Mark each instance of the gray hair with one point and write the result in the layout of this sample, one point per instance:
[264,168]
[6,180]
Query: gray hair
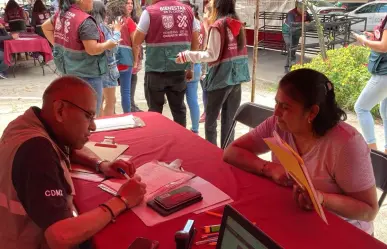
[99,12]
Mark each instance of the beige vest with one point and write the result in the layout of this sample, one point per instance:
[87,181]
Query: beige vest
[17,230]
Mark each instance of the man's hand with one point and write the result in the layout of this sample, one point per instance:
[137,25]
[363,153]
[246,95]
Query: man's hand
[110,168]
[133,191]
[188,75]
[302,198]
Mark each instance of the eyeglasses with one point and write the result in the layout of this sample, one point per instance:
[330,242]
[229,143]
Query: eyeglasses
[89,115]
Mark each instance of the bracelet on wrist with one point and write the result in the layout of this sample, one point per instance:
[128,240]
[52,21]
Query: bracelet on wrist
[106,207]
[98,165]
[124,200]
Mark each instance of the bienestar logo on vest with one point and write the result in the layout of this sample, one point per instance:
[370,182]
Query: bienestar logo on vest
[172,9]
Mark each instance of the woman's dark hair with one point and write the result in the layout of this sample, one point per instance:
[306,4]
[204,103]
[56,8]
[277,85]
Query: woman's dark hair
[309,88]
[226,8]
[39,7]
[98,12]
[134,15]
[116,8]
[12,4]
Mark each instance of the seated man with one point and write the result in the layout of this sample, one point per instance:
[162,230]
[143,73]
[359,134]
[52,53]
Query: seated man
[292,36]
[335,154]
[36,149]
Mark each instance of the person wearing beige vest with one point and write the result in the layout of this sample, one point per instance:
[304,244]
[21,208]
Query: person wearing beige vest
[36,149]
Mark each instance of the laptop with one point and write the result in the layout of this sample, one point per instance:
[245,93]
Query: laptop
[236,232]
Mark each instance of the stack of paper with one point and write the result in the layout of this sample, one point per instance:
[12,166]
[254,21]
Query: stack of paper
[83,173]
[160,179]
[294,166]
[118,123]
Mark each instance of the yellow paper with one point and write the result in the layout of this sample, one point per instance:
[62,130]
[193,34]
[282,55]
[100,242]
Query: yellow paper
[294,166]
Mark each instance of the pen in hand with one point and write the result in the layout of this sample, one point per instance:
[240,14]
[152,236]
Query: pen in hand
[121,171]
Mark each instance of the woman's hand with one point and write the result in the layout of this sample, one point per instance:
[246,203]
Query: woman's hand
[302,198]
[117,26]
[278,174]
[361,39]
[370,35]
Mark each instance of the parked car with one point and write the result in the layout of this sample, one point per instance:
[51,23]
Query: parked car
[373,11]
[324,8]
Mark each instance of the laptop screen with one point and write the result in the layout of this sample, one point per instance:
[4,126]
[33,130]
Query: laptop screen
[237,232]
[236,237]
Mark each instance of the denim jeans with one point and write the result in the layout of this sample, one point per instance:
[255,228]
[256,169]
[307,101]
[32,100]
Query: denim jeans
[373,93]
[192,98]
[3,66]
[125,84]
[192,101]
[289,44]
[96,83]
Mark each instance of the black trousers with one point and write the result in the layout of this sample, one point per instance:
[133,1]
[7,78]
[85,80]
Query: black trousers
[172,84]
[228,100]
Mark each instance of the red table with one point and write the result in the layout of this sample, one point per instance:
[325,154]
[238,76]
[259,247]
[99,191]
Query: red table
[27,43]
[260,200]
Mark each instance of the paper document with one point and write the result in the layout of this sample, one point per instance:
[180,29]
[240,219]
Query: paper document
[157,178]
[118,123]
[107,153]
[211,196]
[296,169]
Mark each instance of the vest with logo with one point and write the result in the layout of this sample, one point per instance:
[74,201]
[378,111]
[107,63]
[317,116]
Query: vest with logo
[232,66]
[170,32]
[125,53]
[15,14]
[40,17]
[69,53]
[17,230]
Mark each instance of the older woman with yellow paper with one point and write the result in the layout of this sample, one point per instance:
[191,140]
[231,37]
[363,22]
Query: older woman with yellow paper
[334,153]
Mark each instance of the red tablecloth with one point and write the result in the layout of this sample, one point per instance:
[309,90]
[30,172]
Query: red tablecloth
[27,43]
[260,200]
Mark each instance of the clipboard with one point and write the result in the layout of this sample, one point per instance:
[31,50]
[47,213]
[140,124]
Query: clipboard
[108,149]
[295,168]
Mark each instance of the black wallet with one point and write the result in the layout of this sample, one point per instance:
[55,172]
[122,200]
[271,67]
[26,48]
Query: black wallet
[175,200]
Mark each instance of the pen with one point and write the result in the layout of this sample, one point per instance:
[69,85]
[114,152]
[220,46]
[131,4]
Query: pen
[214,214]
[121,171]
[206,241]
[210,235]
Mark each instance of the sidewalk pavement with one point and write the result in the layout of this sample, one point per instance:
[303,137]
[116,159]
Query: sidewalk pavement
[18,94]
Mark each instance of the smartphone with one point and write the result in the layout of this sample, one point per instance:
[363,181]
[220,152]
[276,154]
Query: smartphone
[143,243]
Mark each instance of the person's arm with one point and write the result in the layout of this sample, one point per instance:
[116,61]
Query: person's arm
[40,186]
[135,48]
[4,35]
[377,46]
[89,35]
[142,29]
[353,173]
[48,30]
[89,159]
[211,54]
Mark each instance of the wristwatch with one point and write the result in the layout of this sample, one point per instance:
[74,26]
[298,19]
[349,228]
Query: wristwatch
[98,164]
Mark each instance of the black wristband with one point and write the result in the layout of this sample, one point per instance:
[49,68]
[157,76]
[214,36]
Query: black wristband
[110,211]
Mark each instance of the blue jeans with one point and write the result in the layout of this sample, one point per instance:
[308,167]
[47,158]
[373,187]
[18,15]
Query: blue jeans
[192,101]
[373,93]
[96,83]
[3,66]
[125,84]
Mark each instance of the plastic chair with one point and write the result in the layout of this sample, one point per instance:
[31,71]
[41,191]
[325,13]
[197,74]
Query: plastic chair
[379,163]
[249,114]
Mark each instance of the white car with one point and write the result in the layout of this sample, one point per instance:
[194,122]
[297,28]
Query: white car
[325,8]
[373,11]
